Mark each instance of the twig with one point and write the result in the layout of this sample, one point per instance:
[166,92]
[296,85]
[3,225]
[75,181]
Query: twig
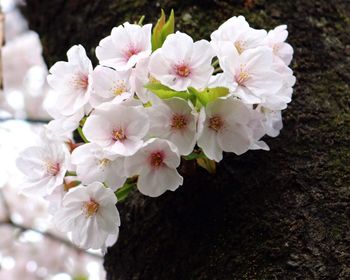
[25,120]
[49,235]
[9,222]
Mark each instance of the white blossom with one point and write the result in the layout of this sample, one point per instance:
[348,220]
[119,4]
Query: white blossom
[237,32]
[181,63]
[127,44]
[140,77]
[251,74]
[44,167]
[71,81]
[282,51]
[95,164]
[155,164]
[118,128]
[89,212]
[110,85]
[175,120]
[223,126]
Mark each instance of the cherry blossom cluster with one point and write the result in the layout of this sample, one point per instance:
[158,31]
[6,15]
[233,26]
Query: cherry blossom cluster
[156,99]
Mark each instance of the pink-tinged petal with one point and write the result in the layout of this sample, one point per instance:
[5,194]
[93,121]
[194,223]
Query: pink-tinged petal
[209,144]
[134,164]
[235,139]
[98,129]
[178,47]
[202,54]
[76,196]
[108,218]
[36,188]
[246,95]
[159,65]
[285,53]
[156,182]
[257,60]
[106,50]
[267,83]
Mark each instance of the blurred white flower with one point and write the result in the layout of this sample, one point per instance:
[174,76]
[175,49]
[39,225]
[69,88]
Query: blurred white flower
[71,81]
[44,167]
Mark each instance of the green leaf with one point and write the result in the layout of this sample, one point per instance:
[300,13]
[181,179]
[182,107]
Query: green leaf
[207,164]
[70,173]
[81,134]
[169,26]
[194,155]
[124,191]
[157,32]
[209,94]
[81,277]
[164,92]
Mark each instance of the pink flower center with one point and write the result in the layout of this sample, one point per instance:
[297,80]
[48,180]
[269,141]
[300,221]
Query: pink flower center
[216,123]
[52,168]
[118,134]
[182,70]
[242,77]
[156,159]
[130,52]
[81,82]
[91,207]
[178,121]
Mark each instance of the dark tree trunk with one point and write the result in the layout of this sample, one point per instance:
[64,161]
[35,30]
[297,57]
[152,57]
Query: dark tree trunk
[282,214]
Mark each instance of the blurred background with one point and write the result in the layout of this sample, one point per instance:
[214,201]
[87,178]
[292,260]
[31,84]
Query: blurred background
[29,247]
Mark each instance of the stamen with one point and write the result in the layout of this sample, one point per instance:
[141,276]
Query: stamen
[80,81]
[178,121]
[52,168]
[242,76]
[182,70]
[120,88]
[104,162]
[216,123]
[239,46]
[156,159]
[118,135]
[91,207]
[130,52]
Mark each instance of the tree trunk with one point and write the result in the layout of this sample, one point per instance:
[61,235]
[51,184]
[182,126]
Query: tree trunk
[282,214]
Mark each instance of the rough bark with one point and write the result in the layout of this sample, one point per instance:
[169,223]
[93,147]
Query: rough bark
[282,214]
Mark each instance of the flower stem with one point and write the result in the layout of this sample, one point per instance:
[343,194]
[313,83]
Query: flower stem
[124,191]
[215,63]
[81,134]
